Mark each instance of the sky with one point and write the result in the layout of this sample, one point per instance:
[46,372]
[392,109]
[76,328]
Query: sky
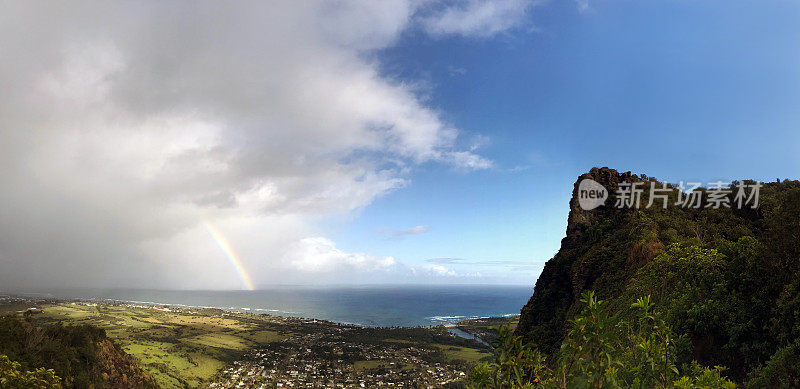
[242,145]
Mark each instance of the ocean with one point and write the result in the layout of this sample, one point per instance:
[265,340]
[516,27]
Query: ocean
[374,306]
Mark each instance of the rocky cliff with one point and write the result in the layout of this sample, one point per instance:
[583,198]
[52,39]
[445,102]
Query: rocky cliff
[727,278]
[543,319]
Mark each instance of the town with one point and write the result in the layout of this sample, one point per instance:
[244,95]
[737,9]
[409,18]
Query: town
[341,357]
[327,359]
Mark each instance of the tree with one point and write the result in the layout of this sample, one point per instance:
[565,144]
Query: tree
[12,377]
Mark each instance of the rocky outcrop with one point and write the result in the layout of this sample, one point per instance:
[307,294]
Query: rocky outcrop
[580,220]
[543,319]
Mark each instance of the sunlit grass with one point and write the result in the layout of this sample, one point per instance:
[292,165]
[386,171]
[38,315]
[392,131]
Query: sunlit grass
[176,349]
[367,365]
[466,354]
[218,340]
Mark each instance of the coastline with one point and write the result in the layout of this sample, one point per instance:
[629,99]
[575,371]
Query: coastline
[356,306]
[188,346]
[464,327]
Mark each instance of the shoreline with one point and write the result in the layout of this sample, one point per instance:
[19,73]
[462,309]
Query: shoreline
[447,321]
[459,328]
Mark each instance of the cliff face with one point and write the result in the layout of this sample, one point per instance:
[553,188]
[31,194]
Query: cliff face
[543,319]
[727,278]
[118,369]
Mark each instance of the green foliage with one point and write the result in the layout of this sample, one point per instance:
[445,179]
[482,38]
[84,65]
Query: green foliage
[689,285]
[80,355]
[12,377]
[727,279]
[714,296]
[704,378]
[601,350]
[515,364]
[652,359]
[781,371]
[69,350]
[589,355]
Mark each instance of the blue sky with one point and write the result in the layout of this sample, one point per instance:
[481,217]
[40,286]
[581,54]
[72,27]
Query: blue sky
[238,145]
[679,90]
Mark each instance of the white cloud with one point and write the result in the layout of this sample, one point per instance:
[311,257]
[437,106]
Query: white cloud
[467,160]
[415,230]
[478,18]
[125,126]
[321,255]
[398,234]
[440,270]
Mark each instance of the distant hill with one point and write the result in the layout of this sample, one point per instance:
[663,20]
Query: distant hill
[80,355]
[728,278]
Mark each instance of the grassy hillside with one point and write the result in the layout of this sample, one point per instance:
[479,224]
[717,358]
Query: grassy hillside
[727,279]
[178,349]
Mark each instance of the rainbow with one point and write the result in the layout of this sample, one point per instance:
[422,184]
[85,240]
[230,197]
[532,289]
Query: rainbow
[232,257]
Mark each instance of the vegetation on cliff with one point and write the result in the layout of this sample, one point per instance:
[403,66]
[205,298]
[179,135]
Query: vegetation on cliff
[633,348]
[726,279]
[12,377]
[35,355]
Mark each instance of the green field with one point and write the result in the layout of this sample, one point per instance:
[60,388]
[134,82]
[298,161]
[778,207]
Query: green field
[177,348]
[367,365]
[466,354]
